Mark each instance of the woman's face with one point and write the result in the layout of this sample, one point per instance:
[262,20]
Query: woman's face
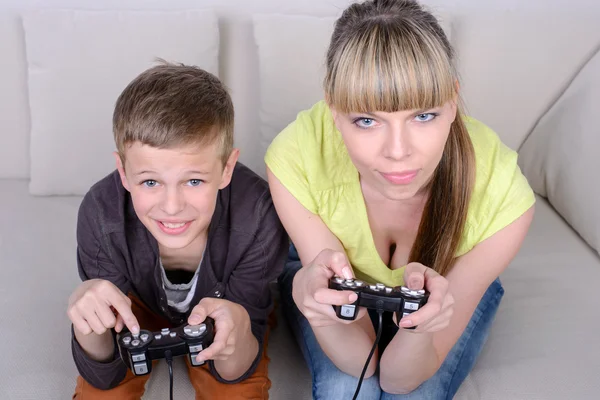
[396,153]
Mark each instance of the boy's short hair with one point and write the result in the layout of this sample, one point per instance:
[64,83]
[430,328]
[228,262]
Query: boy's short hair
[171,105]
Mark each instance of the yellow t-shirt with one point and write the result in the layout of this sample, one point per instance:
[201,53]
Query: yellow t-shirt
[310,159]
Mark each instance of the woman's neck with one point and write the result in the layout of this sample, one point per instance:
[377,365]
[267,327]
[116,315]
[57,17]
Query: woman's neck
[410,206]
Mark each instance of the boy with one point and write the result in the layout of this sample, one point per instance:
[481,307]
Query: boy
[180,231]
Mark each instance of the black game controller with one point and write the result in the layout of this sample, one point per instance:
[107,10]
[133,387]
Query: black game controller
[138,351]
[400,299]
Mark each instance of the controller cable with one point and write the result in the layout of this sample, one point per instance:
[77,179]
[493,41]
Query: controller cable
[169,358]
[379,329]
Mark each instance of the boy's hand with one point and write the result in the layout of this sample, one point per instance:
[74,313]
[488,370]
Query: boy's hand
[91,308]
[232,323]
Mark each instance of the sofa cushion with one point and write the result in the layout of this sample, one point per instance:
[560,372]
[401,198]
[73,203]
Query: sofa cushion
[560,157]
[78,64]
[14,110]
[540,344]
[291,56]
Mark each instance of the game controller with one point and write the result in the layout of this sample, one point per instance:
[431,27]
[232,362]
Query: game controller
[400,299]
[138,351]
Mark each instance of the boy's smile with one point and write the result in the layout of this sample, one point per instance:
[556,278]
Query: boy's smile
[173,228]
[174,191]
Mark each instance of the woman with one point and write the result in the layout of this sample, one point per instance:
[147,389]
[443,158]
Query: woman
[387,181]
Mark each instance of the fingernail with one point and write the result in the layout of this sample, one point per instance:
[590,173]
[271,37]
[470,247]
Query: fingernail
[347,273]
[353,297]
[135,329]
[199,359]
[194,319]
[406,323]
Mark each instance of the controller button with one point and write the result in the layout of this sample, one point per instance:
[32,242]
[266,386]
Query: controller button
[372,287]
[196,348]
[164,331]
[172,334]
[338,280]
[359,283]
[135,342]
[388,290]
[380,286]
[347,311]
[135,335]
[411,306]
[193,359]
[194,330]
[126,340]
[138,357]
[405,289]
[144,337]
[140,368]
[421,292]
[157,337]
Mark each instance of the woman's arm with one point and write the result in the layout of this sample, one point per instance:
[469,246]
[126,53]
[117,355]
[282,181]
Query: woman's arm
[473,273]
[321,255]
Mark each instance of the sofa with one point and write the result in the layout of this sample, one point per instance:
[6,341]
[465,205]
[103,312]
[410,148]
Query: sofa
[529,70]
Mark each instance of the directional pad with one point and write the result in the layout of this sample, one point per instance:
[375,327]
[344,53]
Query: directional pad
[194,330]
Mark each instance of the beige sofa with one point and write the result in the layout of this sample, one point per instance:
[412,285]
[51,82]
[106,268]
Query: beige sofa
[531,72]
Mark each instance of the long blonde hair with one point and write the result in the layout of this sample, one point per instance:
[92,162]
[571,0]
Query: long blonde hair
[391,55]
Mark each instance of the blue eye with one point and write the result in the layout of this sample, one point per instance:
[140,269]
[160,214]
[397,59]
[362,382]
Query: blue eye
[364,122]
[425,117]
[195,182]
[150,183]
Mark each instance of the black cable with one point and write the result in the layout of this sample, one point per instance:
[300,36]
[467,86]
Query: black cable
[379,330]
[169,358]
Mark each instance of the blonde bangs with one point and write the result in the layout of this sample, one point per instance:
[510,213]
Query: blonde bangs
[389,69]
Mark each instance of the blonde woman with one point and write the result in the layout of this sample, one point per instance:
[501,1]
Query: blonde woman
[386,180]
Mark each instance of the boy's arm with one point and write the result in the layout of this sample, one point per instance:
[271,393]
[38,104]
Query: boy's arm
[93,262]
[248,285]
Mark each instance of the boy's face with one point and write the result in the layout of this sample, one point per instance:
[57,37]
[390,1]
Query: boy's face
[174,191]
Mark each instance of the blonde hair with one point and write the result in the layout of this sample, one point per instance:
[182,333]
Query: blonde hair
[392,55]
[171,105]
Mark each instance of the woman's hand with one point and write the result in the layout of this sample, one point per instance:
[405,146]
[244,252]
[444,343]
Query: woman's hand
[311,291]
[436,314]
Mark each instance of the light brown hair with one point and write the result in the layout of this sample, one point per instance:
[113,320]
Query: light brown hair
[172,105]
[392,55]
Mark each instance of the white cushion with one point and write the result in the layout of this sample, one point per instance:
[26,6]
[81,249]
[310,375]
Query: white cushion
[291,54]
[14,110]
[78,64]
[560,157]
[539,344]
[514,65]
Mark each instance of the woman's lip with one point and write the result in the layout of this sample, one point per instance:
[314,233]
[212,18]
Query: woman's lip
[400,178]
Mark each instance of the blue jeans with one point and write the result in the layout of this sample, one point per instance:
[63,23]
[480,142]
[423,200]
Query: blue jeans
[331,383]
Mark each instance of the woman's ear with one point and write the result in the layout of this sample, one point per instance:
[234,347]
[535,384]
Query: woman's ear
[121,169]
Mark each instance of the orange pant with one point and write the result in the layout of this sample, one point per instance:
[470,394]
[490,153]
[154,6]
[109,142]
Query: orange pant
[206,386]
